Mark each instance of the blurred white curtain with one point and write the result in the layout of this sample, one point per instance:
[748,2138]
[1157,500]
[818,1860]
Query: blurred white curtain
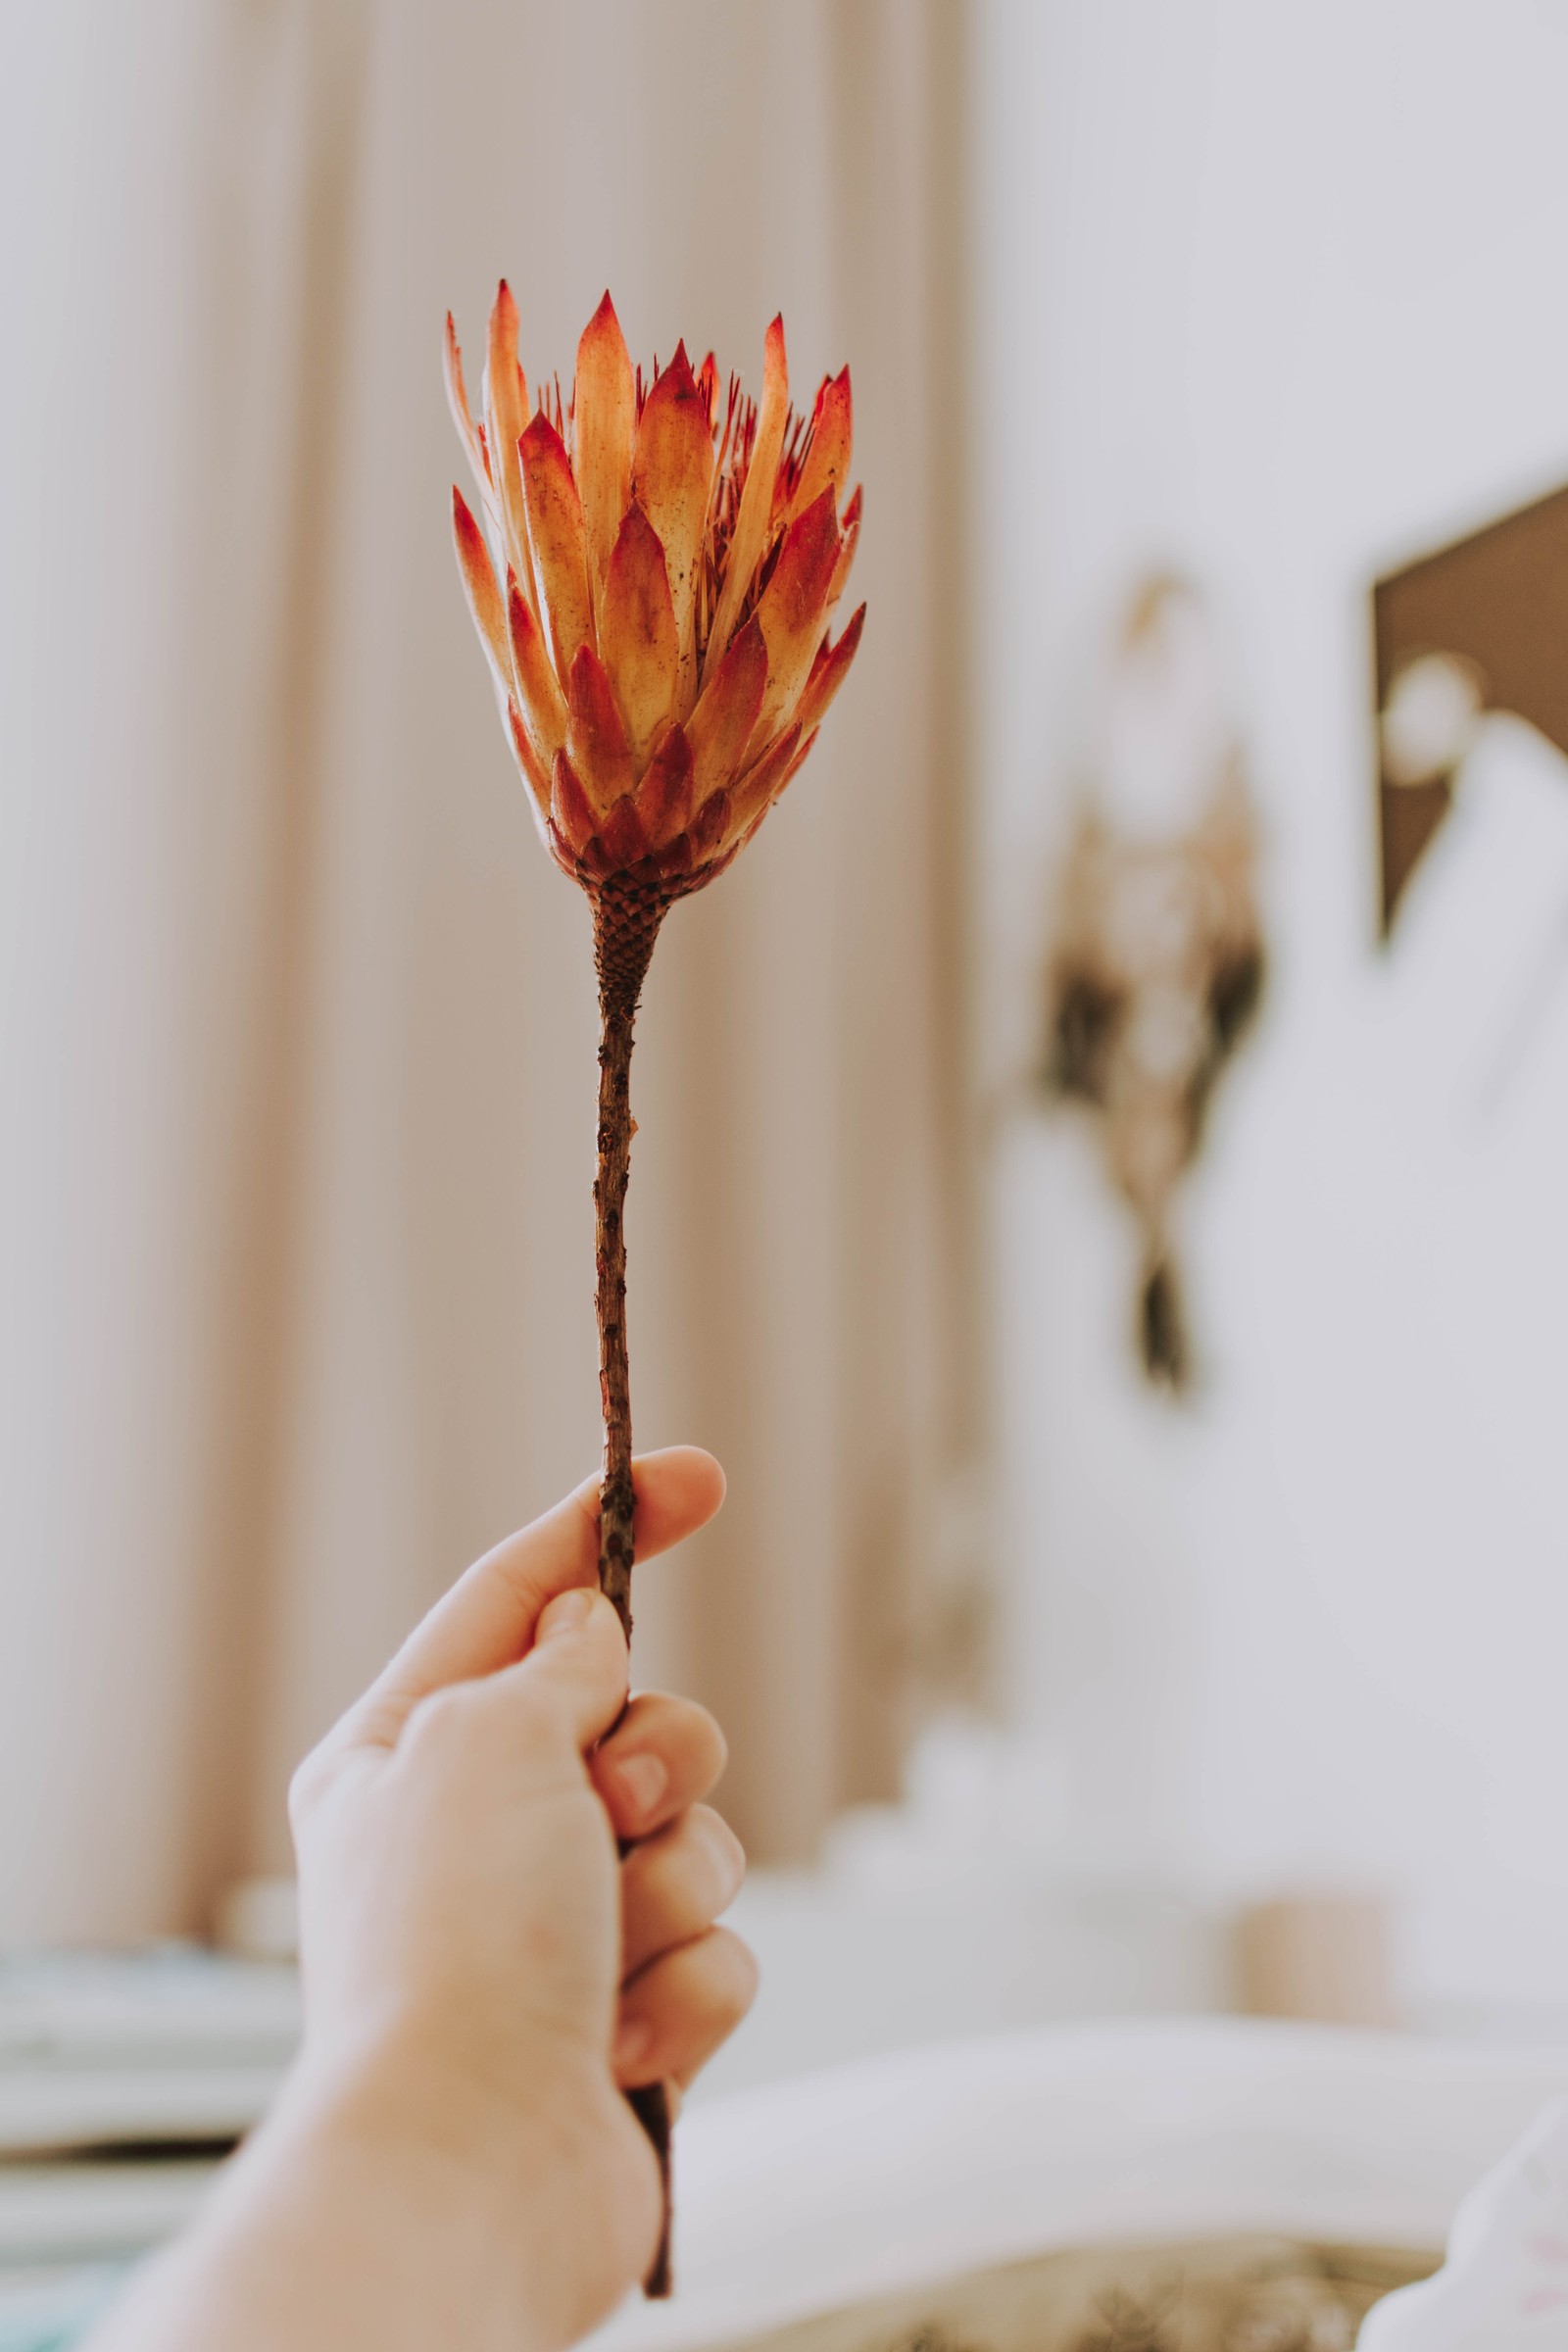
[296,1022]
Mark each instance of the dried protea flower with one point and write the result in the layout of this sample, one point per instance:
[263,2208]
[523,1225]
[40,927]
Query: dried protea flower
[670,561]
[652,582]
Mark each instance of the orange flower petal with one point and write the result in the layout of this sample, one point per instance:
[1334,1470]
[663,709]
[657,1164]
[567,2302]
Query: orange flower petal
[463,416]
[479,586]
[637,631]
[665,795]
[707,386]
[672,477]
[744,830]
[829,671]
[790,612]
[605,422]
[543,705]
[595,735]
[827,455]
[535,770]
[763,781]
[570,810]
[721,727]
[757,497]
[711,826]
[621,836]
[559,541]
[848,543]
[506,411]
[797,762]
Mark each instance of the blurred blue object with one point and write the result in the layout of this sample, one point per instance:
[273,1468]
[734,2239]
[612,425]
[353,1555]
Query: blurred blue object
[49,2317]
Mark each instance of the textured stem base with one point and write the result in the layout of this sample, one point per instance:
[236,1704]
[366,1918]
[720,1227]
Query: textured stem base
[627,921]
[651,2106]
[626,927]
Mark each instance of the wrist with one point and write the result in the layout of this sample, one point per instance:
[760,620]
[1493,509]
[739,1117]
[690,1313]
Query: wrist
[519,2189]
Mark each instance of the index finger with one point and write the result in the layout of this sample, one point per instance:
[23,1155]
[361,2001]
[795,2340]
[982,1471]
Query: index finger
[487,1620]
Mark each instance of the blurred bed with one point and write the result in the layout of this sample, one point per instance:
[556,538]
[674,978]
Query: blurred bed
[1217,2182]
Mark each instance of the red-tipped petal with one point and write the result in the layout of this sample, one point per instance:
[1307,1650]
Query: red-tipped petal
[711,826]
[745,825]
[482,590]
[827,455]
[797,764]
[665,795]
[829,671]
[848,544]
[595,736]
[757,496]
[462,413]
[672,477]
[790,612]
[637,638]
[605,422]
[558,540]
[506,411]
[569,809]
[721,727]
[535,770]
[763,781]
[676,858]
[543,705]
[707,386]
[621,837]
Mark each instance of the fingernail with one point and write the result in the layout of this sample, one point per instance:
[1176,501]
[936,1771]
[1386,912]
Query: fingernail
[642,1781]
[634,2038]
[567,1614]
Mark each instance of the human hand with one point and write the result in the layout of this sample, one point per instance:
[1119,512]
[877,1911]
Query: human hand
[482,1972]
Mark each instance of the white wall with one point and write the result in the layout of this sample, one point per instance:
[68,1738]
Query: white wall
[1277,294]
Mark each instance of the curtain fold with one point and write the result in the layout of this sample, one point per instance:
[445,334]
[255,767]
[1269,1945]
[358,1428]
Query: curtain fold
[298,1022]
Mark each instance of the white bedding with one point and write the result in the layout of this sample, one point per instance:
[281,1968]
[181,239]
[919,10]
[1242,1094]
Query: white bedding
[831,2189]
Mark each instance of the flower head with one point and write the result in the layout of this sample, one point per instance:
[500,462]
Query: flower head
[670,559]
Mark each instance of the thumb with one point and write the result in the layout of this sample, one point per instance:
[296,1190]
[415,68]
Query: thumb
[573,1685]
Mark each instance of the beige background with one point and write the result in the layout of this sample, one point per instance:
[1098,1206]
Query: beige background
[297,1021]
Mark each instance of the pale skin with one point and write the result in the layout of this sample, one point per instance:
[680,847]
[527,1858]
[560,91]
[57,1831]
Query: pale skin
[451,2161]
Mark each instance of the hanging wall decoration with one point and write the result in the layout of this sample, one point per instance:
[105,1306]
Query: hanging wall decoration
[1479,625]
[1154,962]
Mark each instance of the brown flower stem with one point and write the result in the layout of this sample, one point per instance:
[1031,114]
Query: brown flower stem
[627,921]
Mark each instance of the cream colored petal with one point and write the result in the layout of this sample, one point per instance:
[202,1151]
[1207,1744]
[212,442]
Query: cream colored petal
[756,498]
[463,416]
[506,412]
